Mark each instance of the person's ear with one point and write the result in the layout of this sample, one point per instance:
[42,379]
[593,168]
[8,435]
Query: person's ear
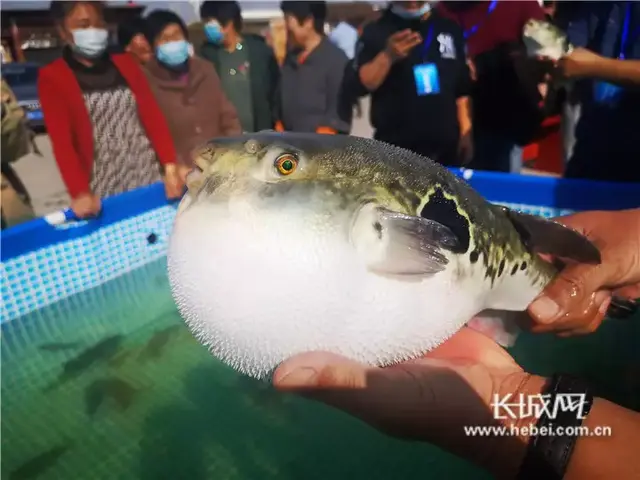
[64,35]
[307,24]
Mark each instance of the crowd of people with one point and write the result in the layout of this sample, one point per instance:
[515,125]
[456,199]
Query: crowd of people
[450,80]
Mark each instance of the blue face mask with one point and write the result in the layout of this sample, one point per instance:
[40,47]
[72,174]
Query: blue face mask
[213,33]
[410,14]
[90,42]
[173,54]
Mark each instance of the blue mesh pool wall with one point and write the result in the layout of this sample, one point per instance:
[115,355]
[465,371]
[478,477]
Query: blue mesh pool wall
[43,263]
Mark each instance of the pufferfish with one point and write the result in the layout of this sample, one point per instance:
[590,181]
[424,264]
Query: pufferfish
[542,39]
[291,242]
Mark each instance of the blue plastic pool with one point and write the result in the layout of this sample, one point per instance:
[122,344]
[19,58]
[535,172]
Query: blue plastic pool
[101,380]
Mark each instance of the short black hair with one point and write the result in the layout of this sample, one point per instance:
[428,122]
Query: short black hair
[223,11]
[304,10]
[59,9]
[129,29]
[158,20]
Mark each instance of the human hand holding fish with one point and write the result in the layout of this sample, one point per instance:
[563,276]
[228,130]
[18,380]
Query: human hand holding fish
[437,398]
[430,399]
[577,300]
[579,63]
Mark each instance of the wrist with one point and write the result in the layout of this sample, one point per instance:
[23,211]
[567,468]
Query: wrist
[510,449]
[388,54]
[170,168]
[80,195]
[592,68]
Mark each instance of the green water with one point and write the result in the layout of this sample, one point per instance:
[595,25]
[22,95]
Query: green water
[183,415]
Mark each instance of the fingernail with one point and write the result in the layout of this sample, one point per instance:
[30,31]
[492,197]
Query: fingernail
[299,377]
[544,309]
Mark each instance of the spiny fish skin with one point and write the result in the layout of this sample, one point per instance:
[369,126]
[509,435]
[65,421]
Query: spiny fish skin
[295,242]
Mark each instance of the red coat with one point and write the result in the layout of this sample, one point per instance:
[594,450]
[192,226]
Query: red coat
[69,125]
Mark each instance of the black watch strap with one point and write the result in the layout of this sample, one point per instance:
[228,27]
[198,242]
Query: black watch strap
[568,401]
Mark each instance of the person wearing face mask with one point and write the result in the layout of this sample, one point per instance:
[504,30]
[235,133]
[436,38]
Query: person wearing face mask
[412,61]
[187,88]
[247,67]
[106,129]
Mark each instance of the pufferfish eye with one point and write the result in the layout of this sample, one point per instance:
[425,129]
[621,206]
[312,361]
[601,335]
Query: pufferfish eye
[286,163]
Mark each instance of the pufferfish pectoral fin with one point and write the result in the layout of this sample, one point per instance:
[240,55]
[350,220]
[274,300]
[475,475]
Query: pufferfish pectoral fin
[399,244]
[550,237]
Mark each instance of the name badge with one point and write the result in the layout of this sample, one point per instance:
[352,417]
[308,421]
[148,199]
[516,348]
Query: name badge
[427,79]
[607,93]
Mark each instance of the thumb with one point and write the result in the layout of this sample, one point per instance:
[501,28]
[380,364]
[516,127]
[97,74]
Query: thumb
[320,370]
[569,291]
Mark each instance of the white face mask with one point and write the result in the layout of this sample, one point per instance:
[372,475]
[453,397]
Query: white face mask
[411,14]
[90,42]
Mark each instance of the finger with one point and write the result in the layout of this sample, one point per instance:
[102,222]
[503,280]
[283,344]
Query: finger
[415,40]
[570,290]
[631,291]
[581,317]
[595,322]
[406,48]
[401,35]
[577,222]
[320,370]
[474,347]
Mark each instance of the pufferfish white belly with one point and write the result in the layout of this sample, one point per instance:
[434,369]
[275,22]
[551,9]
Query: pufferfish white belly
[289,280]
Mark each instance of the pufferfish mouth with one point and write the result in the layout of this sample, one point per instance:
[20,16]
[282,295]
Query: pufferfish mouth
[195,175]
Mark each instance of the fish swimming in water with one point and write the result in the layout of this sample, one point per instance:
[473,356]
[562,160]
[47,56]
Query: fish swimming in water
[294,242]
[39,464]
[102,389]
[157,343]
[104,350]
[542,39]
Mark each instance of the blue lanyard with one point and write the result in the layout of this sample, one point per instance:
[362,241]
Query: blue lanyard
[427,43]
[474,29]
[625,32]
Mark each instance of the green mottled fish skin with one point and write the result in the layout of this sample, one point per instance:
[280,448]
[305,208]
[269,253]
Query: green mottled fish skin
[357,170]
[547,36]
